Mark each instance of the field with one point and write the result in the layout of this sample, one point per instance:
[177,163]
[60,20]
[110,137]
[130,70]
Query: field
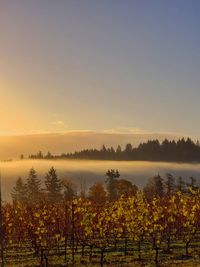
[24,256]
[129,231]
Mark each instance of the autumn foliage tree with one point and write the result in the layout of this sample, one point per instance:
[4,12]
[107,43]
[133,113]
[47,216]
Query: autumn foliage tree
[97,194]
[126,188]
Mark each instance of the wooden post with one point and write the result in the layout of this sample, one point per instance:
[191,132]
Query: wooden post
[102,257]
[66,229]
[1,227]
[73,234]
[125,246]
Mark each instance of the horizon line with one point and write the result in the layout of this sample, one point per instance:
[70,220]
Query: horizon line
[126,131]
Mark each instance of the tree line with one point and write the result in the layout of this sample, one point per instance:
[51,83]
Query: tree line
[182,150]
[55,190]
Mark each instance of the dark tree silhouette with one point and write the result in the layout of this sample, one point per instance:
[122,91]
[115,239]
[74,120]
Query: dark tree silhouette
[118,152]
[192,184]
[154,187]
[170,183]
[33,186]
[69,190]
[159,187]
[19,191]
[181,185]
[183,150]
[111,183]
[53,186]
[48,155]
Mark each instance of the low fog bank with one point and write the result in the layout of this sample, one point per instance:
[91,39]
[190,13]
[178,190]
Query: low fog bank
[85,173]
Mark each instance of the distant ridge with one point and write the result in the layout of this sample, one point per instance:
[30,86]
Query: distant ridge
[182,150]
[11,147]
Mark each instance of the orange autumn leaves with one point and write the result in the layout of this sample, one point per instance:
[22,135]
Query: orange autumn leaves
[176,216]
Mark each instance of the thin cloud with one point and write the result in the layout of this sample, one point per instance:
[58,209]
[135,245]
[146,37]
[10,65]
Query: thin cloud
[139,131]
[58,123]
[131,130]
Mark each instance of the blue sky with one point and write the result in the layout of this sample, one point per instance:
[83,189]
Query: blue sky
[98,65]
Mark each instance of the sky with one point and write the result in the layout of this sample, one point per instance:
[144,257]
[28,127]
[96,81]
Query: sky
[99,65]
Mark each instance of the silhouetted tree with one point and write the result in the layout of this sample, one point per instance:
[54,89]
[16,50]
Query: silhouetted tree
[33,187]
[48,155]
[69,190]
[193,183]
[103,149]
[112,153]
[19,192]
[170,183]
[118,152]
[128,148]
[154,187]
[183,150]
[40,155]
[159,187]
[181,184]
[111,184]
[82,192]
[128,152]
[53,185]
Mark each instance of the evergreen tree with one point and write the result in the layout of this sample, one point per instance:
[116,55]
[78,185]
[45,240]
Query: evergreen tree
[103,149]
[180,184]
[128,148]
[193,183]
[53,185]
[118,152]
[128,151]
[49,155]
[159,186]
[111,182]
[182,150]
[33,187]
[170,183]
[69,191]
[82,192]
[39,155]
[19,192]
[154,188]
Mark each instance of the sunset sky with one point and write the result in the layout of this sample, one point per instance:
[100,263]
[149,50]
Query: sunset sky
[99,65]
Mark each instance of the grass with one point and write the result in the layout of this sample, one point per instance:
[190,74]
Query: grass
[24,257]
